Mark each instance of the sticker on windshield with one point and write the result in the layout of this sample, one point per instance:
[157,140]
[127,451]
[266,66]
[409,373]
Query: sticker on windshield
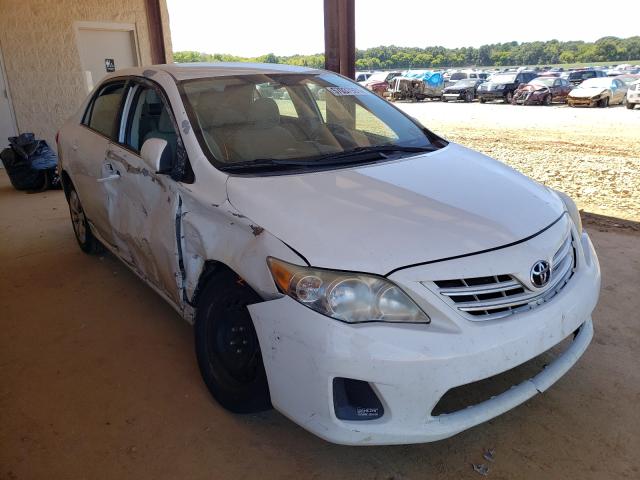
[345,91]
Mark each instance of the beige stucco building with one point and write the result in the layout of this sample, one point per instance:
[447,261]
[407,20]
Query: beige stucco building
[54,51]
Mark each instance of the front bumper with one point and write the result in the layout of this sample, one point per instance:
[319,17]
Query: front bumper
[492,94]
[581,102]
[453,95]
[633,96]
[410,367]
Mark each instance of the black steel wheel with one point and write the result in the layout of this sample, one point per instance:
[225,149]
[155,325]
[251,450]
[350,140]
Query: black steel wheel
[227,346]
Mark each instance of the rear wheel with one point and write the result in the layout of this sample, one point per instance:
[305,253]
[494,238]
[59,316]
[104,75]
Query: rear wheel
[227,346]
[87,242]
[482,100]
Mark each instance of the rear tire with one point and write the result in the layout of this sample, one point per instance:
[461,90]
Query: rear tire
[482,100]
[227,346]
[87,242]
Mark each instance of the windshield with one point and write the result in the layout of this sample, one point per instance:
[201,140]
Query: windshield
[596,83]
[545,81]
[285,117]
[466,83]
[503,78]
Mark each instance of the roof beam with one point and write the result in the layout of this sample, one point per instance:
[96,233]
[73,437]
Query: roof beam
[340,37]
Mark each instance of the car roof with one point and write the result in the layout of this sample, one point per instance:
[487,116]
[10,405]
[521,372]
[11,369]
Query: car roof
[187,71]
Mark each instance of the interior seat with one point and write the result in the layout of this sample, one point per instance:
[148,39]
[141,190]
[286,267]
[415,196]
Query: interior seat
[263,135]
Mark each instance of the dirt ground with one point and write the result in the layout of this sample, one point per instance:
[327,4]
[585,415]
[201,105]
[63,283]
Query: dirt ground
[98,378]
[592,154]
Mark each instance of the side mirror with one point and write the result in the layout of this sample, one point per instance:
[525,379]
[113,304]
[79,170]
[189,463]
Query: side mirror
[156,154]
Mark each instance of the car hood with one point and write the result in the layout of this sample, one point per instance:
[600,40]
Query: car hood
[380,217]
[586,92]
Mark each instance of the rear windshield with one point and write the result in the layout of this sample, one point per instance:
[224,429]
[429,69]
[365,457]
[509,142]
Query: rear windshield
[581,75]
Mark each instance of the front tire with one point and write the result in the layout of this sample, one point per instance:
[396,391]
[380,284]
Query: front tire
[548,100]
[508,97]
[604,103]
[87,242]
[631,106]
[227,346]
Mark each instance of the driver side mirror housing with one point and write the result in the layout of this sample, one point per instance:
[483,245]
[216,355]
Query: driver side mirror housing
[157,155]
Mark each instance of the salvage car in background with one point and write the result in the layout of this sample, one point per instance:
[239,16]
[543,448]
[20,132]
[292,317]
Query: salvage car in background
[633,95]
[462,90]
[542,91]
[416,86]
[379,82]
[576,77]
[501,86]
[600,92]
[339,260]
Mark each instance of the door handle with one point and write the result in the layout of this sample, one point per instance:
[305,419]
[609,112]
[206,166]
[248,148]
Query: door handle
[108,178]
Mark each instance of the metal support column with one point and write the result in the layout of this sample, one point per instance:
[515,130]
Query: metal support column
[340,37]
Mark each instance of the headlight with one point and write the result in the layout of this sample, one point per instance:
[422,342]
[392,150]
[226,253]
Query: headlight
[348,297]
[572,209]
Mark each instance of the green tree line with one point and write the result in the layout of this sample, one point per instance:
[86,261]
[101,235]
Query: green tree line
[606,49]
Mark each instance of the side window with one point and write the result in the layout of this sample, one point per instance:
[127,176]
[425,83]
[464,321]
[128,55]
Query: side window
[149,117]
[103,111]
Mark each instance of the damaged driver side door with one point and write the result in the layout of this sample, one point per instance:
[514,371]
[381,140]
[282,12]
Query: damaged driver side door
[144,204]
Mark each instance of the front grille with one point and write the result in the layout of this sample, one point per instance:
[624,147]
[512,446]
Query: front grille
[496,296]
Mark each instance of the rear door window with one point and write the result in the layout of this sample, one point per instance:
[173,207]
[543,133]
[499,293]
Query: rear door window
[103,111]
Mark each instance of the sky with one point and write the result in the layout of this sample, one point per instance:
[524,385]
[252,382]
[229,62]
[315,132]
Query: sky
[285,27]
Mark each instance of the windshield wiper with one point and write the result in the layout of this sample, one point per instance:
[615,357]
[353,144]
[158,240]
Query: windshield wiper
[358,154]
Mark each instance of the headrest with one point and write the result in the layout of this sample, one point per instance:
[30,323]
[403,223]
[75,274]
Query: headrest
[164,122]
[264,113]
[215,110]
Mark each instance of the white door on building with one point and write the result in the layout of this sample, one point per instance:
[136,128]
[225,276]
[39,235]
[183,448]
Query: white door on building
[7,123]
[104,49]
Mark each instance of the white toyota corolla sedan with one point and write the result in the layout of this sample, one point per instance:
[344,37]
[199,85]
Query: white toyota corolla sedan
[339,260]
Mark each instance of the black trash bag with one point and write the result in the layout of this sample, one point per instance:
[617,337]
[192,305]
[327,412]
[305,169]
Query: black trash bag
[30,164]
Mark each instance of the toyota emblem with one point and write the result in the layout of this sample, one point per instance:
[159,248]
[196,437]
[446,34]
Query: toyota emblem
[540,273]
